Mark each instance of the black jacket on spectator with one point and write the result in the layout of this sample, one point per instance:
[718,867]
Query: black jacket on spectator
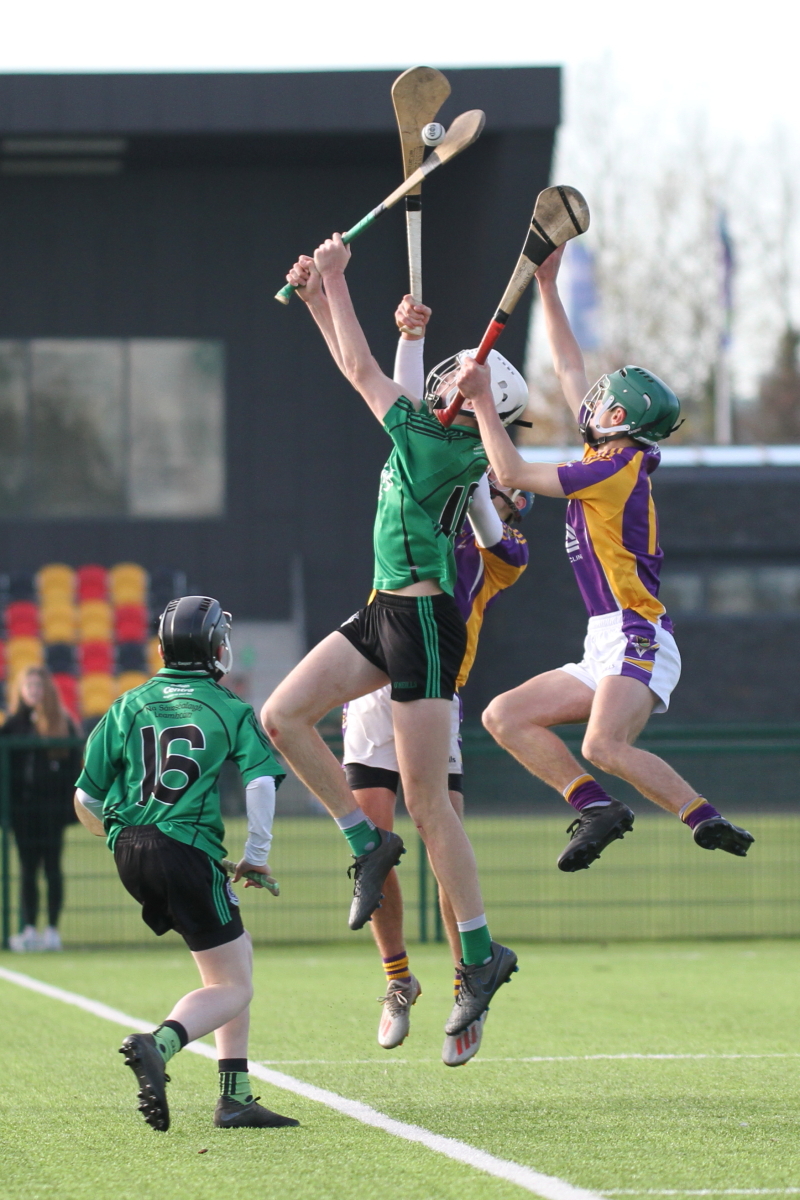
[42,780]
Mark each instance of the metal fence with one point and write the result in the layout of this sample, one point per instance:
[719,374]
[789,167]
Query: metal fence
[654,884]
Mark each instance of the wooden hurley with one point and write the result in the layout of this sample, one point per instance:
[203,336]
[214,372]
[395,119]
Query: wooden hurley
[465,130]
[417,95]
[560,213]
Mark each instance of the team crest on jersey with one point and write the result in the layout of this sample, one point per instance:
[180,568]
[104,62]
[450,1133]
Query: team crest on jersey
[641,645]
[234,899]
[573,545]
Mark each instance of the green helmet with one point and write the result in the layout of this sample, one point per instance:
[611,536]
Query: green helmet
[653,410]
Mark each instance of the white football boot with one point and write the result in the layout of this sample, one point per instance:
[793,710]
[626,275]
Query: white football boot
[51,939]
[396,1017]
[461,1047]
[20,943]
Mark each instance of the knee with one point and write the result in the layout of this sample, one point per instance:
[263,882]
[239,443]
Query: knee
[500,718]
[602,752]
[275,719]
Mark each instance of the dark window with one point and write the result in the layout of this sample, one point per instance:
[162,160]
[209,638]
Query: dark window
[732,590]
[111,427]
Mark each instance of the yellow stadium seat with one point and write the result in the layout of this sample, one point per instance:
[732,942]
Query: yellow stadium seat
[128,584]
[56,579]
[130,679]
[95,621]
[59,621]
[23,652]
[97,693]
[154,660]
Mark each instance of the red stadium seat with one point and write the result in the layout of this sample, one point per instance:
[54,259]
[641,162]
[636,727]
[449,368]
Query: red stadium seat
[92,583]
[67,687]
[130,623]
[96,658]
[22,619]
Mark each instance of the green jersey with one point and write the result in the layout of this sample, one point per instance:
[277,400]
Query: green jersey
[426,487]
[155,757]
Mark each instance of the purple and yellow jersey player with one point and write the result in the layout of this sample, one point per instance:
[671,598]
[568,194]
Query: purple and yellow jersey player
[612,544]
[490,556]
[630,661]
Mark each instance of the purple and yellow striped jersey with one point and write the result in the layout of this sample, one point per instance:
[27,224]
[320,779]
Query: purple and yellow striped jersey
[612,531]
[482,574]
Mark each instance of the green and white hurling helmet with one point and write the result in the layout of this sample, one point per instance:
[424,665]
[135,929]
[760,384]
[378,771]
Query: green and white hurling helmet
[652,409]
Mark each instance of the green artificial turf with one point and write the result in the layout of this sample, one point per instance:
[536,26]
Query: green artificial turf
[70,1129]
[656,883]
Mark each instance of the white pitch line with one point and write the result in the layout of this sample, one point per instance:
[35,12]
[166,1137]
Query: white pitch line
[790,1191]
[547,1186]
[416,1062]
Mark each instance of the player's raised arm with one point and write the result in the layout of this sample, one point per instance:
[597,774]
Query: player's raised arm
[357,364]
[567,357]
[511,469]
[305,277]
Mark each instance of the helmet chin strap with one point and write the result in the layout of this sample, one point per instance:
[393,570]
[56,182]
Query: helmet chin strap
[612,436]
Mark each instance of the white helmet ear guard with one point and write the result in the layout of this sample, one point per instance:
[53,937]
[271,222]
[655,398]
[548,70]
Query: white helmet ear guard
[223,662]
[509,389]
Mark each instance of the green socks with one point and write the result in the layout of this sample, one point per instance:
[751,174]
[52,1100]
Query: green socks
[359,831]
[476,944]
[170,1038]
[234,1082]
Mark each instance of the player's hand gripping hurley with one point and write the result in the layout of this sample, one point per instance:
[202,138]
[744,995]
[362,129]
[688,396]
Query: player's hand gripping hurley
[417,95]
[560,213]
[462,133]
[264,881]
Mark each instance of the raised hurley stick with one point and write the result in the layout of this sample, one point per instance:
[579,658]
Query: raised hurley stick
[417,95]
[465,130]
[560,213]
[264,881]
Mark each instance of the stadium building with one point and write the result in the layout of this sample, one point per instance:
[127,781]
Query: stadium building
[159,408]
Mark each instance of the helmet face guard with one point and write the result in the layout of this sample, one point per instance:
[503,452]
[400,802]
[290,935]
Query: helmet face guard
[519,501]
[194,632]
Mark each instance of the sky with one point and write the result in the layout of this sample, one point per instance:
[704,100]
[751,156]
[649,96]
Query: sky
[729,68]
[737,62]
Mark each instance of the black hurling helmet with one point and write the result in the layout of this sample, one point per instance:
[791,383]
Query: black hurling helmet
[195,635]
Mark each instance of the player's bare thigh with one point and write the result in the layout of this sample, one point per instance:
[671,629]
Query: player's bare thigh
[422,738]
[553,698]
[621,709]
[330,674]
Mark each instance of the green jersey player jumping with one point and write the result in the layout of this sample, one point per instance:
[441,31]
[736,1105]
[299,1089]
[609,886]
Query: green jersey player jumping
[411,636]
[151,778]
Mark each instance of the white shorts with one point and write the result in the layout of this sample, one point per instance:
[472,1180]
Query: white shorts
[641,651]
[369,732]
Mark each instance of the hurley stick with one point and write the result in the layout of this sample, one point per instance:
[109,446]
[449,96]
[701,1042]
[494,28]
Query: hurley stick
[560,213]
[465,130]
[417,95]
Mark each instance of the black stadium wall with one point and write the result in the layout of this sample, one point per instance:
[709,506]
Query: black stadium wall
[214,184]
[221,180]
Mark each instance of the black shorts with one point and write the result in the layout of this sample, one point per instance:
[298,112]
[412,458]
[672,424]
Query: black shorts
[418,641]
[362,775]
[178,886]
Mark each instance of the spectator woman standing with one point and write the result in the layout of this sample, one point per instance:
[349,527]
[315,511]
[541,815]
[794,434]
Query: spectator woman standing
[41,800]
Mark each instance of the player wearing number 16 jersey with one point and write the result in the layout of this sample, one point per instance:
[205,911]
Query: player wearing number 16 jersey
[151,776]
